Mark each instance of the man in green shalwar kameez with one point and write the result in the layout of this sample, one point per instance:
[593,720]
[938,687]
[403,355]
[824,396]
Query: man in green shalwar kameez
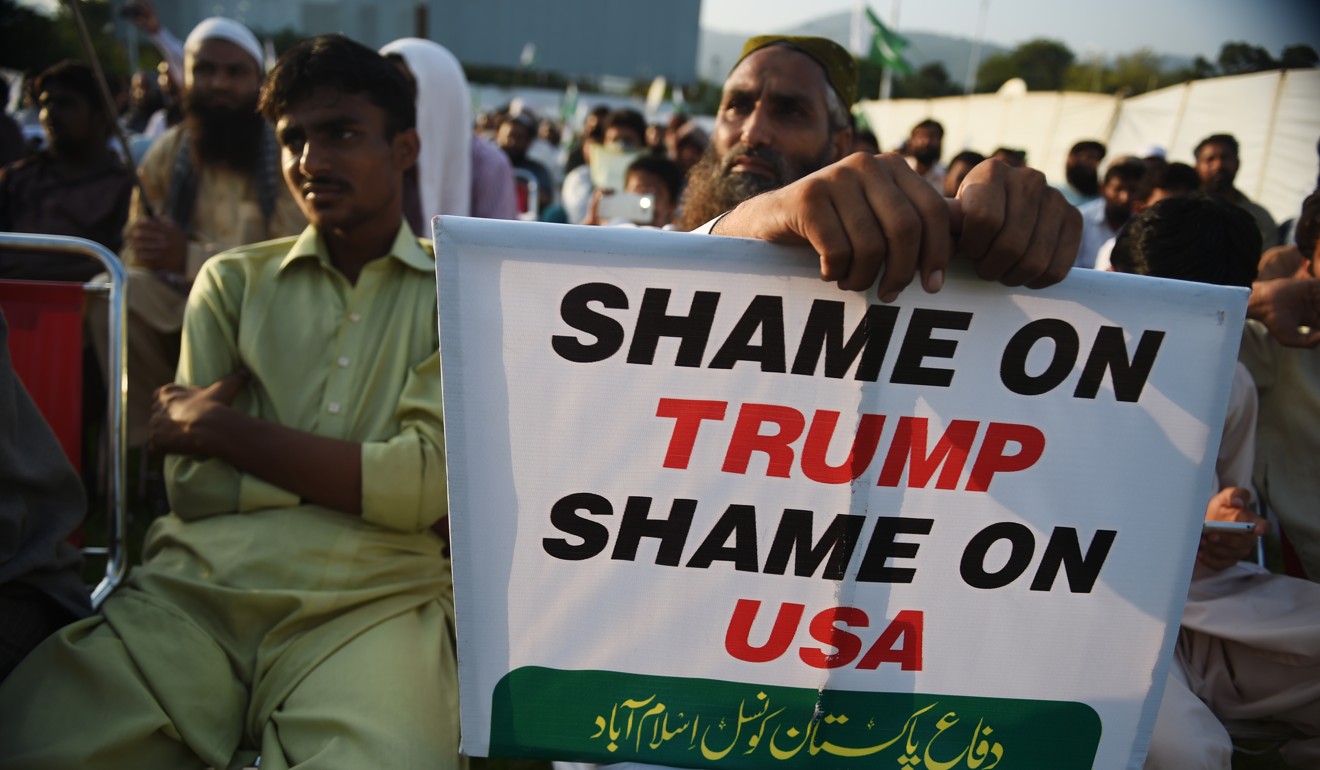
[295,602]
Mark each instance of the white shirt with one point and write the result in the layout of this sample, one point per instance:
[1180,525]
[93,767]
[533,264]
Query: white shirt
[1095,231]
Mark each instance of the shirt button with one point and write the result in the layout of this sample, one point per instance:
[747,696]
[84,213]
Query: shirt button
[343,362]
[355,316]
[332,407]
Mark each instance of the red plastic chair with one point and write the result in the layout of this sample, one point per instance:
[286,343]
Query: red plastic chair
[45,343]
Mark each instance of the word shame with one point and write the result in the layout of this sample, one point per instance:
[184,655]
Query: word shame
[797,548]
[605,325]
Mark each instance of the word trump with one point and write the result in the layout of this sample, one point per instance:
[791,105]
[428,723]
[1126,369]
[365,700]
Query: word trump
[773,430]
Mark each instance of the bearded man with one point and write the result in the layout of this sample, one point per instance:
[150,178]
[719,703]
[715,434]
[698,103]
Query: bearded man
[777,170]
[754,151]
[1082,172]
[925,146]
[213,183]
[1217,162]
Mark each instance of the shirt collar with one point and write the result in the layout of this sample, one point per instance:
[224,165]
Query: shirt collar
[406,249]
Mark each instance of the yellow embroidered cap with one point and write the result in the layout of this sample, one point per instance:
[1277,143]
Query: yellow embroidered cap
[839,65]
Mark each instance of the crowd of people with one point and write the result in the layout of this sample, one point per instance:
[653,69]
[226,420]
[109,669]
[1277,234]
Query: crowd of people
[282,349]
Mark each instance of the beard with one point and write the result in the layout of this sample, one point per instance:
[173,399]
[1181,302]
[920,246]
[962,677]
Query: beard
[713,188]
[228,136]
[1117,214]
[1083,179]
[928,156]
[1218,183]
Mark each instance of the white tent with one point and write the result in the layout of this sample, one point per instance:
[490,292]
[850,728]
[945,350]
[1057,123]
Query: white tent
[1274,115]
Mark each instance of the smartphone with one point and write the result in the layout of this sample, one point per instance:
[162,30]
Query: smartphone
[1243,527]
[633,207]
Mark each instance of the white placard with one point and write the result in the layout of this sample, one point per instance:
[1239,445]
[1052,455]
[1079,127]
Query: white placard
[709,511]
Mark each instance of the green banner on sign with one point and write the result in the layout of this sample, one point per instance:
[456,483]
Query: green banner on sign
[606,716]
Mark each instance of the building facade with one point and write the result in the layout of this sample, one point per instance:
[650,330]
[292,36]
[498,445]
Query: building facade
[575,38]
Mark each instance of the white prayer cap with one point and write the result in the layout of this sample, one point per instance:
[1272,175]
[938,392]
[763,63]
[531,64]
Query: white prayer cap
[220,28]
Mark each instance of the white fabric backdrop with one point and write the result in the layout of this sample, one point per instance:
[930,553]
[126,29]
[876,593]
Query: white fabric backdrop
[1274,115]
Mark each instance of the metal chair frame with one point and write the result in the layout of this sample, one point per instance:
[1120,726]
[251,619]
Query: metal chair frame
[116,392]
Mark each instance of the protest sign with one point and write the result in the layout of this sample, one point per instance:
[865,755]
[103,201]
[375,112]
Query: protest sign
[709,511]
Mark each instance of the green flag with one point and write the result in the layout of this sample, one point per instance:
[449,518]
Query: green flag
[887,46]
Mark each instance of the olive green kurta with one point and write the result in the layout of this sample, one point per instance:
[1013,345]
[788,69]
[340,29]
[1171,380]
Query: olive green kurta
[320,638]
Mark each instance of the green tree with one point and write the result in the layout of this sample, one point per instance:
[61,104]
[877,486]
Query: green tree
[1239,58]
[1137,72]
[34,41]
[930,82]
[27,38]
[1042,63]
[1203,68]
[1299,56]
[996,70]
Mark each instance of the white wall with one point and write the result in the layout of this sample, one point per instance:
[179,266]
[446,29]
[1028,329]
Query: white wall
[1274,115]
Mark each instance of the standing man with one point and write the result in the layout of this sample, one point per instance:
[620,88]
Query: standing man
[1082,172]
[1217,163]
[213,184]
[925,146]
[295,602]
[1102,217]
[515,137]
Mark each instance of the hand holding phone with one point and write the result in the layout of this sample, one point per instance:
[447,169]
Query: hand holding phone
[633,207]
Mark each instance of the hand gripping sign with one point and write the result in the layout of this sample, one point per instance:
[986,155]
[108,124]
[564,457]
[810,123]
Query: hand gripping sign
[708,511]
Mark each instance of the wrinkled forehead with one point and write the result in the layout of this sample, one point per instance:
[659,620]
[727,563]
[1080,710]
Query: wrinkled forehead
[778,69]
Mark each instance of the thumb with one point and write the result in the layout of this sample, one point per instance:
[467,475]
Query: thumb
[225,388]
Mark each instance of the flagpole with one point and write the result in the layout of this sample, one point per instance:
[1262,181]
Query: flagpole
[974,63]
[856,34]
[887,80]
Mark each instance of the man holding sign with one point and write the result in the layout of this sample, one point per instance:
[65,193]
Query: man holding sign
[783,116]
[781,526]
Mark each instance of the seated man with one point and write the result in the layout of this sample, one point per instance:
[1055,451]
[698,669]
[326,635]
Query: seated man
[1249,645]
[76,186]
[1288,383]
[295,602]
[209,184]
[41,503]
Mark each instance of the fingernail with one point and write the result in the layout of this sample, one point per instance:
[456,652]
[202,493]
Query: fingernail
[889,298]
[934,281]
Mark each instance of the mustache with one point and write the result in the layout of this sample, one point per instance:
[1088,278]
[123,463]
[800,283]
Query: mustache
[323,181]
[770,156]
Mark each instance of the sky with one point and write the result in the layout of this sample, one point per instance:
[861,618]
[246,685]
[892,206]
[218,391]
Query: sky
[1089,27]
